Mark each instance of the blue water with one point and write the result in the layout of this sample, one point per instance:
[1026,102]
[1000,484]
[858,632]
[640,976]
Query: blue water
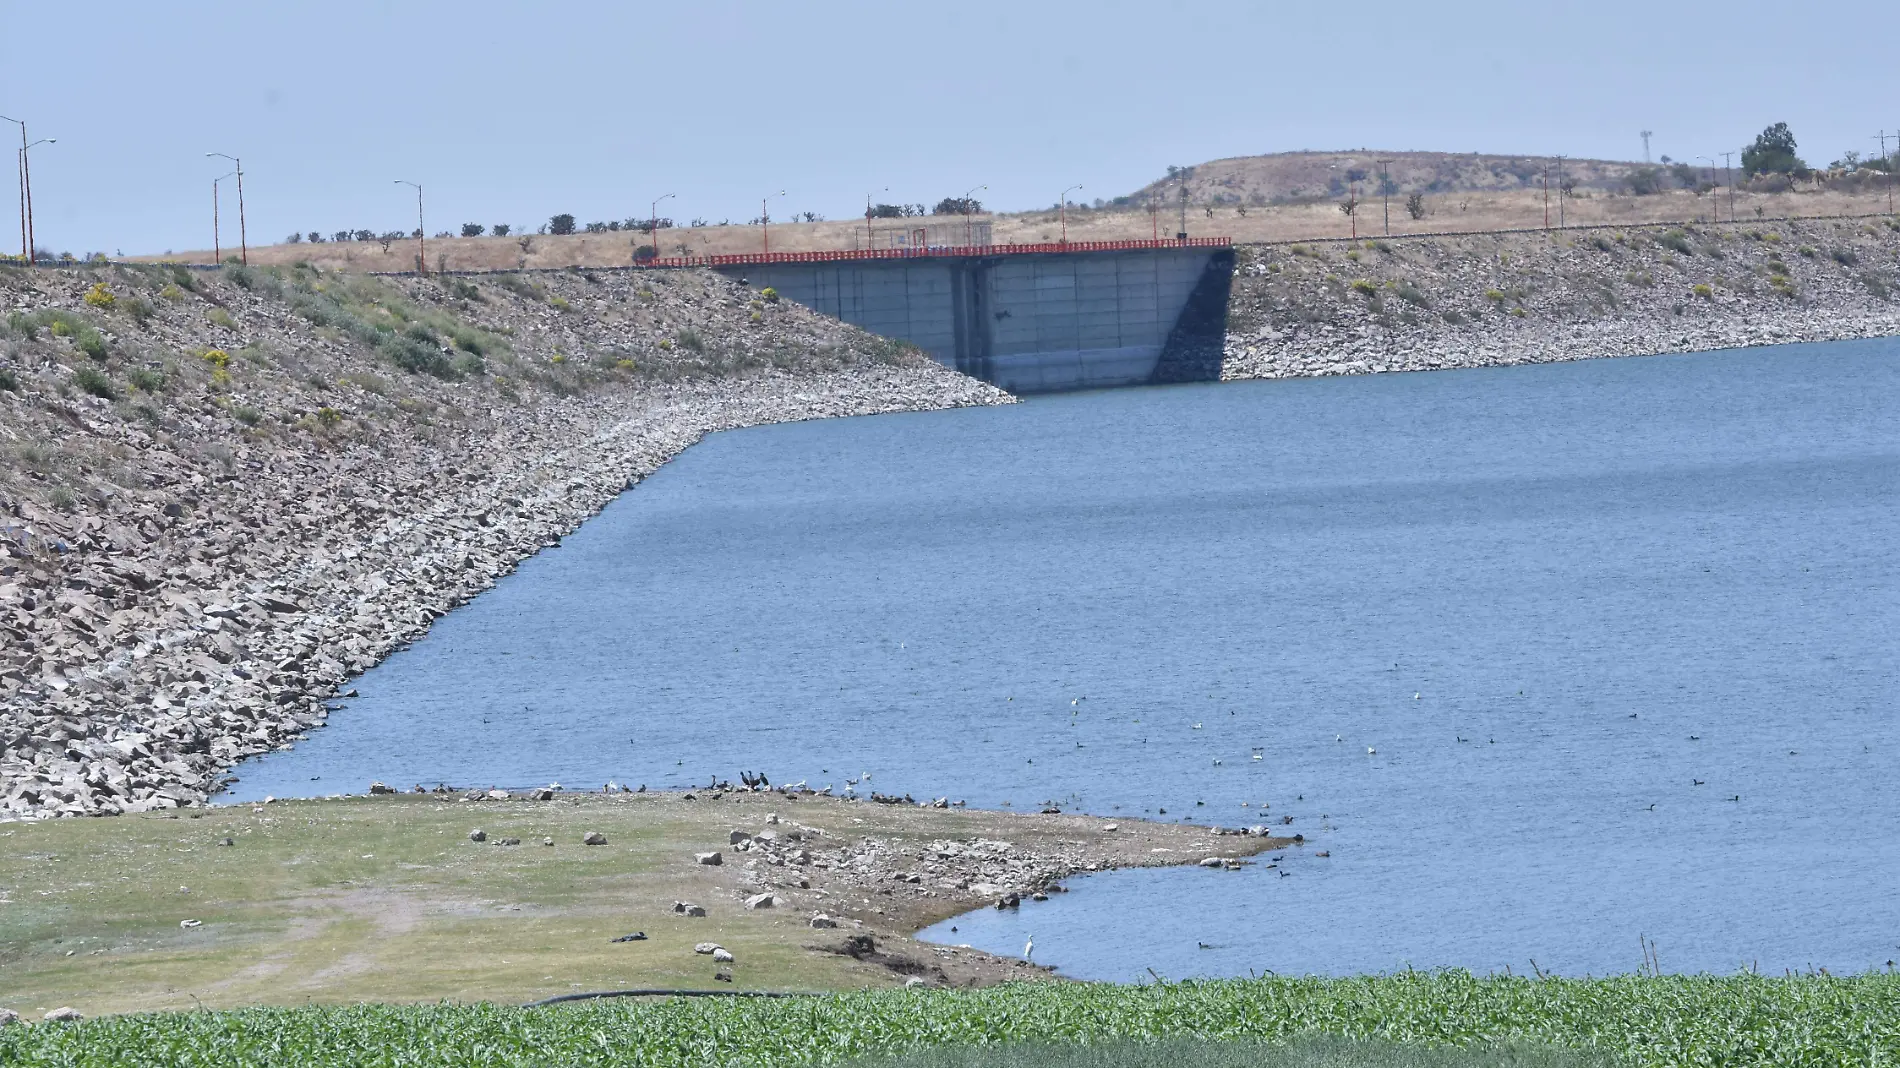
[1552,598]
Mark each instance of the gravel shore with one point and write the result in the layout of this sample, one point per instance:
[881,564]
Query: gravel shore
[191,566]
[1371,306]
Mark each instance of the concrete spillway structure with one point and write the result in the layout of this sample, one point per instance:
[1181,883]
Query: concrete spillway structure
[1072,317]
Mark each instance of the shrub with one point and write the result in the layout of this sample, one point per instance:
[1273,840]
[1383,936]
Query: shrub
[172,293]
[770,295]
[1846,257]
[328,416]
[146,380]
[1703,290]
[1415,206]
[1875,284]
[217,358]
[1494,296]
[140,310]
[1807,251]
[183,279]
[220,317]
[22,324]
[472,229]
[100,297]
[561,224]
[242,276]
[470,365]
[8,382]
[89,342]
[247,415]
[691,341]
[1410,294]
[416,356]
[560,302]
[1640,278]
[92,380]
[1602,244]
[1676,241]
[1364,288]
[500,229]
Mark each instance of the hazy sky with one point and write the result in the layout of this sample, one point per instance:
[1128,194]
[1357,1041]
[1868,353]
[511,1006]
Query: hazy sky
[512,112]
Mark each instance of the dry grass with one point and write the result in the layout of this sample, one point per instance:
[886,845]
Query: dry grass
[1447,213]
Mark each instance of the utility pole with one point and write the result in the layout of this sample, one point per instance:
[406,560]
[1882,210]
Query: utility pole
[217,239]
[765,220]
[19,159]
[1064,210]
[1385,192]
[1181,235]
[1546,178]
[1647,134]
[1352,200]
[1728,178]
[422,249]
[1560,192]
[1887,162]
[244,243]
[1715,208]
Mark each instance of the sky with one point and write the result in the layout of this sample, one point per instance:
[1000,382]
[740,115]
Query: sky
[512,112]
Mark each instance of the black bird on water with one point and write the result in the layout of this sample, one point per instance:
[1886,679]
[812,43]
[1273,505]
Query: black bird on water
[1696,782]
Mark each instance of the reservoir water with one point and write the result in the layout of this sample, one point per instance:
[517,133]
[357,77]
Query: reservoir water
[1546,658]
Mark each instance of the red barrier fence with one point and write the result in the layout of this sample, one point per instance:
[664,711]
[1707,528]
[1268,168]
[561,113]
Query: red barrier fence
[750,259]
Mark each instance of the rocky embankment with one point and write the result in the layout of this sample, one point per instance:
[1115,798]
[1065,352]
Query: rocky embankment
[1427,303]
[224,493]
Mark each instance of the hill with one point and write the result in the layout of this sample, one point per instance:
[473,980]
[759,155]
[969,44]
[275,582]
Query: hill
[1283,177]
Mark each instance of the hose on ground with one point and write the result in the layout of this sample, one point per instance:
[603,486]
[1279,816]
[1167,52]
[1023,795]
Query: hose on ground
[659,993]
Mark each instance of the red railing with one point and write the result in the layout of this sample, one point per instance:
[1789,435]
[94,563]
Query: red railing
[750,259]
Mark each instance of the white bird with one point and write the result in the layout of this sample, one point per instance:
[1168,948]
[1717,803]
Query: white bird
[1414,697]
[1029,947]
[1370,750]
[1197,726]
[1339,737]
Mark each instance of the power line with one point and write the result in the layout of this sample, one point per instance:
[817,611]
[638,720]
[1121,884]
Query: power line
[1647,134]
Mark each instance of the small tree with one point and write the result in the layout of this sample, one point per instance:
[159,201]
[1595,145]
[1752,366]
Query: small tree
[1348,206]
[501,229]
[316,237]
[472,229]
[1415,206]
[1772,153]
[958,206]
[889,211]
[561,224]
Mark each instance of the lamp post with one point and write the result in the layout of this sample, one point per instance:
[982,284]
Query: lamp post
[422,249]
[654,233]
[217,241]
[1064,209]
[967,238]
[26,182]
[244,243]
[765,220]
[870,231]
[1728,178]
[19,160]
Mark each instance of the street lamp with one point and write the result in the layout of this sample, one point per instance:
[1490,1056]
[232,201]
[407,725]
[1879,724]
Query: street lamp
[217,241]
[244,243]
[655,231]
[1064,209]
[968,239]
[765,220]
[870,229]
[422,249]
[26,189]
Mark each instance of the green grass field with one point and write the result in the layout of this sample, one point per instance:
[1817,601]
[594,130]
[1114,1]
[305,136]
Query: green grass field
[1323,1052]
[1800,1022]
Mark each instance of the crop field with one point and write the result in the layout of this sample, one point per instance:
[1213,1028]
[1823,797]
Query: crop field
[1795,1022]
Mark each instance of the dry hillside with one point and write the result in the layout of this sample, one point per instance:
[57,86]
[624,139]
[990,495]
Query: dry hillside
[1257,181]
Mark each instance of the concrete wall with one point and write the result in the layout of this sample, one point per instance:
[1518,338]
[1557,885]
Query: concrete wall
[1028,323]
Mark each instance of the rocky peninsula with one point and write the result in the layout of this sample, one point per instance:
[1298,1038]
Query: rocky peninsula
[224,493]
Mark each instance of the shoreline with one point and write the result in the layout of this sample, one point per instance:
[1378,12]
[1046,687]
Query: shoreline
[392,898]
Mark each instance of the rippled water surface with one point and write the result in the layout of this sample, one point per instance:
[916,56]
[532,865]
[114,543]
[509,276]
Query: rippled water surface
[1546,658]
